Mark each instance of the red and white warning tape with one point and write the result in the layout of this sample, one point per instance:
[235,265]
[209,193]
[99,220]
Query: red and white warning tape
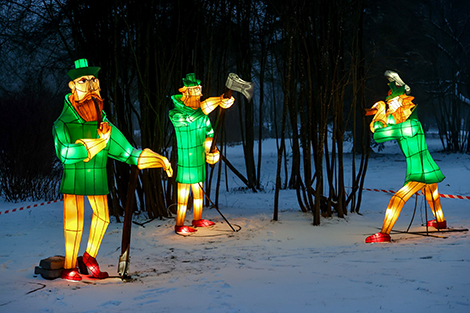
[442,195]
[30,206]
[368,189]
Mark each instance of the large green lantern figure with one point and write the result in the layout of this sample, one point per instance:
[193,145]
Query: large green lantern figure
[84,139]
[194,135]
[399,122]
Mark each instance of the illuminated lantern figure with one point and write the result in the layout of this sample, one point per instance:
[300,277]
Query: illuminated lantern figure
[84,139]
[194,135]
[399,122]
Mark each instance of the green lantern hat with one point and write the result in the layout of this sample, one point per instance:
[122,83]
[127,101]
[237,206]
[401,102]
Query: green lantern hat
[82,69]
[396,91]
[191,81]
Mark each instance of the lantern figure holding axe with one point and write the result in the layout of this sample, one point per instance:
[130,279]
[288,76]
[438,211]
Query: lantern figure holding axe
[396,119]
[194,136]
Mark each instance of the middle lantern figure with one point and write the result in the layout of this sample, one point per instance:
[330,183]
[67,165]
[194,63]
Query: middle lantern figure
[194,134]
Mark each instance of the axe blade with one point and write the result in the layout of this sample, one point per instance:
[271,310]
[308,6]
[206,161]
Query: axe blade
[393,76]
[235,83]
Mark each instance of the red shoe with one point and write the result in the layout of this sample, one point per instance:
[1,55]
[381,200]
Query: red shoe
[202,223]
[93,267]
[379,237]
[184,230]
[71,274]
[438,225]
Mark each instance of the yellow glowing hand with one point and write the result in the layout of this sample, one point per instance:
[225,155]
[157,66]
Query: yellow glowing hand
[212,157]
[168,169]
[378,110]
[226,103]
[150,159]
[104,131]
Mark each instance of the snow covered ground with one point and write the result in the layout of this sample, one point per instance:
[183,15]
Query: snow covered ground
[284,266]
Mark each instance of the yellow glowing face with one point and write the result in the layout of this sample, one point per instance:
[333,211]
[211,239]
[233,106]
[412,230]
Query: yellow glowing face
[191,96]
[400,108]
[195,91]
[85,85]
[394,104]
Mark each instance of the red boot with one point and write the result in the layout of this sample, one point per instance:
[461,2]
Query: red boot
[438,225]
[379,237]
[202,223]
[71,274]
[184,230]
[93,267]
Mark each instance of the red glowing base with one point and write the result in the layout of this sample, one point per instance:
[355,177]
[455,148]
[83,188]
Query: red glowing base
[438,225]
[379,237]
[184,230]
[71,274]
[202,223]
[93,267]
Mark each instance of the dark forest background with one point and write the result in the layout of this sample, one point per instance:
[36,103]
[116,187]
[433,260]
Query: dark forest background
[316,65]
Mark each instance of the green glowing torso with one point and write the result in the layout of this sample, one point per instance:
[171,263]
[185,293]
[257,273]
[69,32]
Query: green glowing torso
[86,178]
[192,127]
[420,166]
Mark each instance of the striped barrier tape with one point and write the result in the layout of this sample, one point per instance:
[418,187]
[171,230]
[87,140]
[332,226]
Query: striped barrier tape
[30,206]
[442,195]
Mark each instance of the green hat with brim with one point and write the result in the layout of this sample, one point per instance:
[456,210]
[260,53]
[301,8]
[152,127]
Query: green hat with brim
[191,81]
[396,91]
[82,69]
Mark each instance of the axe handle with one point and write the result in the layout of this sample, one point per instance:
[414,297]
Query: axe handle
[126,228]
[217,128]
[227,93]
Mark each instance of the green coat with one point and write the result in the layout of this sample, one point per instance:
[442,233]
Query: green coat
[192,127]
[420,166]
[86,178]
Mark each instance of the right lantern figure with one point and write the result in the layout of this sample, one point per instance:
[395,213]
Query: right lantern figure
[396,119]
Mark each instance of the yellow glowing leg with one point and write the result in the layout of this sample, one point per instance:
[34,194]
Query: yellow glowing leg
[434,201]
[198,201]
[183,194]
[73,228]
[99,223]
[396,204]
